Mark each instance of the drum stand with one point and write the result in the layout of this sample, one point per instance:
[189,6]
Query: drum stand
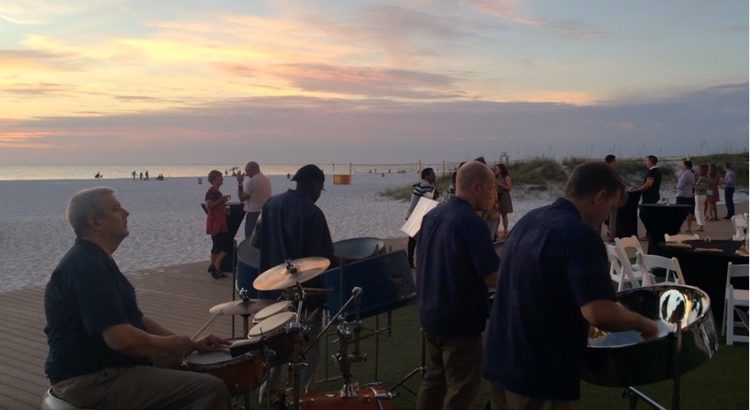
[634,394]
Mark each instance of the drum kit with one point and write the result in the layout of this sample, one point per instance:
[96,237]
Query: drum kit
[279,333]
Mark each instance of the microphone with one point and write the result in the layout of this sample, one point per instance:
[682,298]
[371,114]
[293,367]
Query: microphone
[356,291]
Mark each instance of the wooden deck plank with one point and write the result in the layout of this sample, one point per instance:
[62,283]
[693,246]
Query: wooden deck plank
[178,297]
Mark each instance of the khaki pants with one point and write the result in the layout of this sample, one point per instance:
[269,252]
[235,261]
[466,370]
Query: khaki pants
[452,377]
[502,399]
[144,387]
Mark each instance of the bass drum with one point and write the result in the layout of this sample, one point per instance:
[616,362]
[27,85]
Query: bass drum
[625,359]
[368,398]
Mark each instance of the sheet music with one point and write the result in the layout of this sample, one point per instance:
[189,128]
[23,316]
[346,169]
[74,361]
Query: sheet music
[412,225]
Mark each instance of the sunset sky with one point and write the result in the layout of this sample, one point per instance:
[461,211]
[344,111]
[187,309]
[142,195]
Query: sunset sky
[134,81]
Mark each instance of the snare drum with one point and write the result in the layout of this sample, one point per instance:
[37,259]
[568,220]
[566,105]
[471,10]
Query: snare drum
[271,310]
[240,374]
[273,331]
[368,398]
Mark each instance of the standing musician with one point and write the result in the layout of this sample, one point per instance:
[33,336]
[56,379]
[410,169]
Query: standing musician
[99,341]
[553,284]
[293,227]
[456,262]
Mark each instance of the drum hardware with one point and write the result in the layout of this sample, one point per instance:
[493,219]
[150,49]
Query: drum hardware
[293,367]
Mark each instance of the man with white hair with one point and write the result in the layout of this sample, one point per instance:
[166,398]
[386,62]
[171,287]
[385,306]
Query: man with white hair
[100,343]
[254,191]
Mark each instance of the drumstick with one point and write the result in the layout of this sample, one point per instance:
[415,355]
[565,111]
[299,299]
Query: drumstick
[205,325]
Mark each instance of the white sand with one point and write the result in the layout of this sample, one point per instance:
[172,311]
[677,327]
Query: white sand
[167,225]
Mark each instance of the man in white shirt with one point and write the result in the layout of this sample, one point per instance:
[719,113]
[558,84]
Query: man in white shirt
[254,191]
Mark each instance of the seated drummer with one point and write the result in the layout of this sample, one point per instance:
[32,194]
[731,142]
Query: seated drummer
[553,284]
[293,227]
[99,341]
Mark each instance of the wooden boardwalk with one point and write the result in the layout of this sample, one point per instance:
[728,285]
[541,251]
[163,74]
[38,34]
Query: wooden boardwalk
[177,297]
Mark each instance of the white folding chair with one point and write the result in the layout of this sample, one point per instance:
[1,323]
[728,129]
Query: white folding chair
[672,266]
[620,270]
[733,300]
[680,238]
[630,246]
[740,227]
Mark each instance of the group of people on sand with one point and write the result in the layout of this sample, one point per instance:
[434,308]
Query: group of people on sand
[701,191]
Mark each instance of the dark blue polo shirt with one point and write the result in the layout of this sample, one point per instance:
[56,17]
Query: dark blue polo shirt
[454,253]
[85,295]
[553,264]
[293,227]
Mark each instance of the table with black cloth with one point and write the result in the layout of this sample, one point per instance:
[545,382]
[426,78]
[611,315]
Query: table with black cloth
[235,216]
[660,219]
[708,269]
[626,223]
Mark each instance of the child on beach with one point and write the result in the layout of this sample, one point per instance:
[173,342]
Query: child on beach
[216,223]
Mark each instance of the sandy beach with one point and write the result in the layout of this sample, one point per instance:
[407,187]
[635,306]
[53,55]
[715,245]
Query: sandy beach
[167,224]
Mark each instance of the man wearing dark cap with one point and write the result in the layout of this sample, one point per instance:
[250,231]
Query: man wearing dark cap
[293,227]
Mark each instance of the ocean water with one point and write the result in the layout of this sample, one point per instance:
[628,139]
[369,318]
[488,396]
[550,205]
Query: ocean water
[69,172]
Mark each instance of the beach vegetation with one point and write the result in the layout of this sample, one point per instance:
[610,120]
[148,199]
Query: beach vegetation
[543,173]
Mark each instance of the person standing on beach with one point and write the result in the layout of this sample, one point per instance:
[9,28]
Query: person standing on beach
[456,263]
[216,224]
[254,191]
[100,343]
[685,184]
[505,204]
[701,189]
[730,179]
[712,196]
[133,175]
[293,227]
[553,285]
[652,182]
[424,188]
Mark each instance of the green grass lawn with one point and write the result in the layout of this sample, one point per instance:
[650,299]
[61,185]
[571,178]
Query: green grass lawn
[721,383]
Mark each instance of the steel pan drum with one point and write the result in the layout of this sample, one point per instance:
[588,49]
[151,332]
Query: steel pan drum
[358,248]
[624,359]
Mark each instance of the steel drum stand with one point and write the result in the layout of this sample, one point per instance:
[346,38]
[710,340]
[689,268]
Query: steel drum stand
[634,394]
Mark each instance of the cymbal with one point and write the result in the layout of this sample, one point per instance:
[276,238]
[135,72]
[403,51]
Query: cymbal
[290,273]
[240,307]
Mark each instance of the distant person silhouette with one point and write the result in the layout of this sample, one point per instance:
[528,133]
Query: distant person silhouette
[133,175]
[141,176]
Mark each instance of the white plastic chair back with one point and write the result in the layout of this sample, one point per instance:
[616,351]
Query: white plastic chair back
[650,262]
[630,245]
[733,299]
[740,227]
[619,269]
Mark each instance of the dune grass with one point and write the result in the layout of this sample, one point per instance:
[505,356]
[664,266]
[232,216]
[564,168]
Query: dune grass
[542,173]
[721,383]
